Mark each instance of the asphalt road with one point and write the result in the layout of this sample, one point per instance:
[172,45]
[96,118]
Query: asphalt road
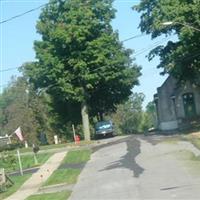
[138,167]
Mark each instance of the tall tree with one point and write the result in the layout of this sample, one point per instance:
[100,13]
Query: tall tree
[179,58]
[80,59]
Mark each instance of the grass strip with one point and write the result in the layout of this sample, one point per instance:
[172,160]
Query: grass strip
[68,176]
[78,156]
[54,146]
[45,147]
[28,160]
[18,181]
[51,196]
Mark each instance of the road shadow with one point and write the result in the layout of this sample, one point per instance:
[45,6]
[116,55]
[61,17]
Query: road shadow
[129,160]
[108,144]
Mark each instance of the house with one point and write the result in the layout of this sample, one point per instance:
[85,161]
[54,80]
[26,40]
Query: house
[4,140]
[177,106]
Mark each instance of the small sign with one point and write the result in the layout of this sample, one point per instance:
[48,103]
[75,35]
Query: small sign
[2,176]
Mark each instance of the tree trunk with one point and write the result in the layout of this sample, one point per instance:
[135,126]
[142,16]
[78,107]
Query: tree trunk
[101,116]
[85,121]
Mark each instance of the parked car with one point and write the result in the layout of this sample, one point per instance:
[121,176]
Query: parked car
[104,128]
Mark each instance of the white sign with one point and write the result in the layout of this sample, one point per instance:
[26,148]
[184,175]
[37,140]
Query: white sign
[55,139]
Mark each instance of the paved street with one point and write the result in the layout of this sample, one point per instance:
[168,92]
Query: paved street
[139,167]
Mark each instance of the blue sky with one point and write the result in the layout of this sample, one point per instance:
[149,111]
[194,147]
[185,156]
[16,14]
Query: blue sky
[17,36]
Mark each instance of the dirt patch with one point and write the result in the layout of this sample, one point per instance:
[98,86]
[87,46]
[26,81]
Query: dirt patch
[196,134]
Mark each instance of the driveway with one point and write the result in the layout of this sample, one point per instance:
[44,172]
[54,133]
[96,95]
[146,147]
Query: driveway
[138,167]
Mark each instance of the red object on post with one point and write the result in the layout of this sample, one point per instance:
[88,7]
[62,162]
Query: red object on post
[77,139]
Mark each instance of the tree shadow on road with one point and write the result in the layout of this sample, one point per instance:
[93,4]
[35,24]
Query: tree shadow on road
[128,161]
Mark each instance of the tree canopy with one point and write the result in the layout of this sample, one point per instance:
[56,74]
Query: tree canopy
[80,60]
[179,58]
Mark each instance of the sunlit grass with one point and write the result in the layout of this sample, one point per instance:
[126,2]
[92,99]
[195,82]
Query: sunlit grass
[78,156]
[18,181]
[51,196]
[27,162]
[69,175]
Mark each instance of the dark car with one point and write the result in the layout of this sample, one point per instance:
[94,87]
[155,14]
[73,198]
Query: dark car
[104,128]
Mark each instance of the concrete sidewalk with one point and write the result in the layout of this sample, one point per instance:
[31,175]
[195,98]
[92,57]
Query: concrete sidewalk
[32,185]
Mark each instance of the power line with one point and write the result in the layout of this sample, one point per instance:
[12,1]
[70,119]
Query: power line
[195,55]
[34,9]
[133,37]
[9,69]
[141,51]
[155,44]
[22,14]
[137,53]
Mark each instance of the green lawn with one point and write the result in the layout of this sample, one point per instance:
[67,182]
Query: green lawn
[78,156]
[51,196]
[54,146]
[26,160]
[45,147]
[18,180]
[69,175]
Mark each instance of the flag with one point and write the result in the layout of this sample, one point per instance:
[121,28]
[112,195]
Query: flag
[18,132]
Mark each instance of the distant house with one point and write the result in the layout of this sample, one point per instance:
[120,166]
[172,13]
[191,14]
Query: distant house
[4,140]
[177,106]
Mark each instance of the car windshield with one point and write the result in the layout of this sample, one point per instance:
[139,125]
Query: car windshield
[103,125]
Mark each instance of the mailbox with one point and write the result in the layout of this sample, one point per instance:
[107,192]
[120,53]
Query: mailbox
[35,148]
